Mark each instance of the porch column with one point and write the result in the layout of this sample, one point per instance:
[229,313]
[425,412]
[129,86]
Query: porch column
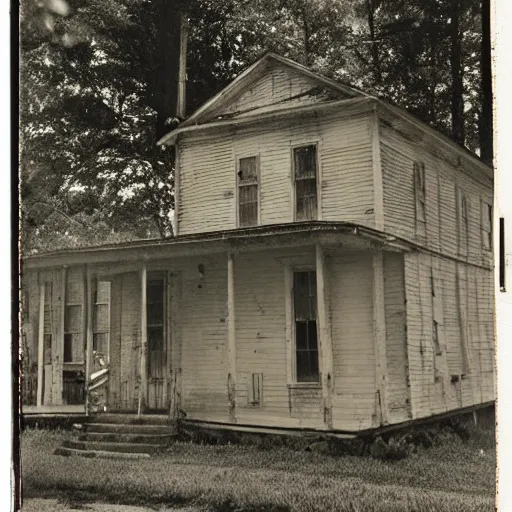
[231,354]
[143,339]
[88,334]
[40,344]
[325,339]
[379,335]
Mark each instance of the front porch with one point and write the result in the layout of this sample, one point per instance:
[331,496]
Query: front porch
[207,330]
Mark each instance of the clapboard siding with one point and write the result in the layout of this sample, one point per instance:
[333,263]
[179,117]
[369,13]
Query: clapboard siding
[443,178]
[396,338]
[207,195]
[130,340]
[279,88]
[455,386]
[203,319]
[351,284]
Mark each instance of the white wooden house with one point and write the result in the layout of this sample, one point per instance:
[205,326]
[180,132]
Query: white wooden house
[332,270]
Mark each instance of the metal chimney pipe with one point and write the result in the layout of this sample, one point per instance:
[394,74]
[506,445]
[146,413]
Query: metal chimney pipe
[182,73]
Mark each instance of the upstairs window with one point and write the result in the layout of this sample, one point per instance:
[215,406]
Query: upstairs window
[486,215]
[462,222]
[420,194]
[306,338]
[248,184]
[305,177]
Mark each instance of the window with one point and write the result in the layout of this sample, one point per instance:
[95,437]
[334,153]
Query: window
[73,341]
[486,215]
[305,326]
[305,176]
[156,326]
[101,318]
[248,191]
[420,193]
[462,222]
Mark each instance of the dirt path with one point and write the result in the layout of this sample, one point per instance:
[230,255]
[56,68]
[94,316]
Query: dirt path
[46,505]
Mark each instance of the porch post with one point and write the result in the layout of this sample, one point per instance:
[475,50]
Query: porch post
[89,334]
[325,339]
[143,338]
[379,335]
[40,343]
[231,354]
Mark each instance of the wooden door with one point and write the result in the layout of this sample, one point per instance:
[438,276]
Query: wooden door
[157,351]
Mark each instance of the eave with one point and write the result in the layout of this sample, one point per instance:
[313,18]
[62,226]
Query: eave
[337,234]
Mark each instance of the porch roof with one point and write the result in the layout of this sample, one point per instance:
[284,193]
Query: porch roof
[345,234]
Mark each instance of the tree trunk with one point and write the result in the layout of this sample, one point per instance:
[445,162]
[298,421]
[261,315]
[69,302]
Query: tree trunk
[307,36]
[457,103]
[485,128]
[165,81]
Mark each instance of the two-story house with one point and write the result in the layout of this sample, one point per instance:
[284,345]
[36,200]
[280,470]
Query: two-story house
[331,270]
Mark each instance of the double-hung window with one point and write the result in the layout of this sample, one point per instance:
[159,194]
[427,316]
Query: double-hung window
[420,195]
[248,191]
[305,327]
[305,180]
[486,215]
[462,222]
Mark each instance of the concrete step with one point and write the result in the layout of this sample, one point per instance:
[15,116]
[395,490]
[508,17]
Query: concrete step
[100,454]
[132,419]
[112,446]
[115,437]
[121,428]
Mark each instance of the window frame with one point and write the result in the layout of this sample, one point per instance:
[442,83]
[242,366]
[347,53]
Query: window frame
[462,212]
[317,144]
[163,277]
[95,304]
[419,169]
[238,185]
[486,224]
[290,270]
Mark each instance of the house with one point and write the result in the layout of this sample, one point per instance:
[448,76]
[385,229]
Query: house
[332,270]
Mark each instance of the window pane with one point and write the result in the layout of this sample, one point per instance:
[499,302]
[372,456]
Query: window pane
[155,338]
[248,214]
[301,335]
[156,313]
[305,191]
[312,336]
[307,366]
[73,319]
[155,291]
[305,162]
[247,170]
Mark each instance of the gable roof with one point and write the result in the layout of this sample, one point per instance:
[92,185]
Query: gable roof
[205,115]
[252,74]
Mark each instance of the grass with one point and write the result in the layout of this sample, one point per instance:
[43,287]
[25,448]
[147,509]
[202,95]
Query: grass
[452,476]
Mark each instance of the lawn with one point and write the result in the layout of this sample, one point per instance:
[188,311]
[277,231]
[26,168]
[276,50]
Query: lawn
[452,476]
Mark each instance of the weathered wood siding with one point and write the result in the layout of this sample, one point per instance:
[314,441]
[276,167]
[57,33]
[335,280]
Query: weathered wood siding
[350,281]
[444,381]
[207,191]
[29,304]
[443,178]
[279,88]
[399,400]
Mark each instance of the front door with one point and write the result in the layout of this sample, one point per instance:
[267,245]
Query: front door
[157,339]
